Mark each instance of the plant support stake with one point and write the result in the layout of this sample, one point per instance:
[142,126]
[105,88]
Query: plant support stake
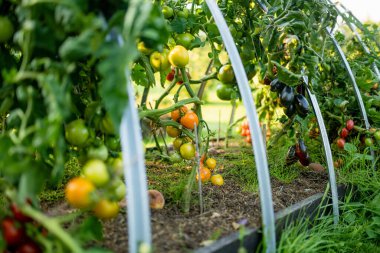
[327,148]
[258,147]
[139,230]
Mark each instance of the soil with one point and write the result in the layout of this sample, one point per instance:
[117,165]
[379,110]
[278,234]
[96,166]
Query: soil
[226,208]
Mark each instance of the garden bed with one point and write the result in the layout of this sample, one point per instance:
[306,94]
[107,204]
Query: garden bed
[226,208]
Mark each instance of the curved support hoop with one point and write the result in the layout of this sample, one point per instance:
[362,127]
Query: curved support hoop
[358,37]
[354,85]
[139,230]
[327,149]
[259,148]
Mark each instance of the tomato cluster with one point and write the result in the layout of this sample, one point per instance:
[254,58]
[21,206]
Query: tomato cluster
[298,152]
[208,172]
[18,231]
[245,132]
[98,189]
[188,119]
[367,139]
[227,89]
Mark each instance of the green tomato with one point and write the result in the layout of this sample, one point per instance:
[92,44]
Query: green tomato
[113,143]
[175,157]
[6,30]
[377,135]
[185,39]
[183,14]
[167,11]
[76,133]
[187,151]
[368,142]
[119,189]
[224,91]
[100,153]
[117,166]
[96,171]
[226,74]
[106,125]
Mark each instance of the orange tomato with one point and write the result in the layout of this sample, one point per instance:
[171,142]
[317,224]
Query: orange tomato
[173,131]
[177,114]
[205,174]
[217,180]
[189,119]
[248,139]
[106,209]
[211,163]
[78,192]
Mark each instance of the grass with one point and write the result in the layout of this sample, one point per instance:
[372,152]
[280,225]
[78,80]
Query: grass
[359,226]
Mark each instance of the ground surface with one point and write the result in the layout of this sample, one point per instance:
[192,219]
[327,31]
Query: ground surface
[237,201]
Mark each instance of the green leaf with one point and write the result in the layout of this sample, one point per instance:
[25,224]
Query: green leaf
[349,147]
[31,182]
[90,229]
[286,76]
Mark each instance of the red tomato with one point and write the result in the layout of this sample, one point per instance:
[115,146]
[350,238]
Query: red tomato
[29,247]
[344,133]
[350,124]
[18,215]
[189,120]
[13,232]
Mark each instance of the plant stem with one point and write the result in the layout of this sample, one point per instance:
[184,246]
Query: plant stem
[166,92]
[144,97]
[205,78]
[281,133]
[53,226]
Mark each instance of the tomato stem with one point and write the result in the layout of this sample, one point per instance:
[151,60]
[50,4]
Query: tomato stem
[52,225]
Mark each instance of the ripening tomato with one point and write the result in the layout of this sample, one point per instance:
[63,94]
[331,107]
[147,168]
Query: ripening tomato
[178,56]
[185,39]
[340,143]
[170,76]
[178,113]
[248,139]
[78,192]
[217,180]
[177,143]
[187,151]
[245,124]
[7,30]
[96,171]
[189,120]
[106,209]
[77,133]
[205,174]
[173,131]
[226,74]
[159,61]
[211,163]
